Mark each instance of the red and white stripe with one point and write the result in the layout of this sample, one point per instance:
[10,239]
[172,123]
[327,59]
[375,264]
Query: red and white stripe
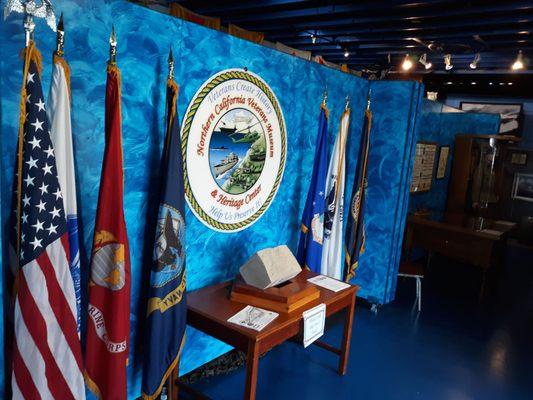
[47,355]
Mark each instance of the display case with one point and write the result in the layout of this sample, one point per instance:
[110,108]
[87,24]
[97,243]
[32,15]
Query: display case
[476,181]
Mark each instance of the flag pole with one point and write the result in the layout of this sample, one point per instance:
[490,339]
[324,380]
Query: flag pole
[170,60]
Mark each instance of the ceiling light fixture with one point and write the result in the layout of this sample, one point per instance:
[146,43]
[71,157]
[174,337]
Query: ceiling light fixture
[313,39]
[346,53]
[519,62]
[407,63]
[477,58]
[448,62]
[423,60]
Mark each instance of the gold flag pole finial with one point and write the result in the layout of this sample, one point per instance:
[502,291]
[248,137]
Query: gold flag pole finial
[170,65]
[368,99]
[325,97]
[347,103]
[113,47]
[60,37]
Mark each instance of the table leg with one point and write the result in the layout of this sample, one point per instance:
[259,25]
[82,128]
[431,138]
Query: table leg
[483,288]
[345,349]
[252,363]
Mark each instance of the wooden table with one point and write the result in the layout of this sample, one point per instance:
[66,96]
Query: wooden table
[208,310]
[458,238]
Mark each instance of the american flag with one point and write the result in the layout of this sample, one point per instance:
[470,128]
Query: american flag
[47,362]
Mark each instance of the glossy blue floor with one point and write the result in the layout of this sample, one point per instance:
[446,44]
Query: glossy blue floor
[453,349]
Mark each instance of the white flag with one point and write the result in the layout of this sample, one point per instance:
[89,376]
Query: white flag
[61,135]
[333,217]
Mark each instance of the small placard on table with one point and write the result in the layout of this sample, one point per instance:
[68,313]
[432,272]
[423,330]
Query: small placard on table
[329,283]
[314,323]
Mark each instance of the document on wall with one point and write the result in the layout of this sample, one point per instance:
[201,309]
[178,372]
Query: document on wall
[314,323]
[253,317]
[328,283]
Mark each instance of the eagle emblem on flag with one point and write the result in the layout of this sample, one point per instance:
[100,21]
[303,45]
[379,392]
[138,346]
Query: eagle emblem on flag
[168,251]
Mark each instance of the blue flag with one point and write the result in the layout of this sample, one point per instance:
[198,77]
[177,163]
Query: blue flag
[167,306]
[355,229]
[310,246]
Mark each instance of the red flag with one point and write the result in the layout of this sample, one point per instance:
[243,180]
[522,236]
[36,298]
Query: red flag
[108,324]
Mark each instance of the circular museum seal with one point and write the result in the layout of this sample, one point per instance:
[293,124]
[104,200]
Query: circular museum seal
[234,146]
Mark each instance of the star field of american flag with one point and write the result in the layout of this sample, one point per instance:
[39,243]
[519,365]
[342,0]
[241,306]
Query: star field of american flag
[42,218]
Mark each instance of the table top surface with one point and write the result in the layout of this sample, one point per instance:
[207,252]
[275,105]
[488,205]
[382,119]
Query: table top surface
[482,227]
[213,303]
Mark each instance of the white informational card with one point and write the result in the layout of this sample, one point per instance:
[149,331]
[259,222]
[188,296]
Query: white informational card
[314,323]
[491,232]
[253,317]
[328,283]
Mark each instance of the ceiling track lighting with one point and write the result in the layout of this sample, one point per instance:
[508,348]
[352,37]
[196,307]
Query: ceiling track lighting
[346,53]
[448,62]
[477,58]
[407,63]
[519,62]
[423,60]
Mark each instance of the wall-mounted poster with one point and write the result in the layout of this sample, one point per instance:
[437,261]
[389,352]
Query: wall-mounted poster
[423,167]
[510,114]
[234,148]
[523,187]
[443,162]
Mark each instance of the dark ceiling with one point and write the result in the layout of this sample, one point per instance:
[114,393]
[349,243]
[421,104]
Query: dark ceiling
[373,30]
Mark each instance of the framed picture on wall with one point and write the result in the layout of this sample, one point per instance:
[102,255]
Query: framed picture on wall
[443,162]
[523,187]
[519,158]
[510,114]
[423,167]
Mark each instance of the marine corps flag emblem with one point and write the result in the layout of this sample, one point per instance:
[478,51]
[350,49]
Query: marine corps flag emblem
[166,314]
[108,324]
[355,229]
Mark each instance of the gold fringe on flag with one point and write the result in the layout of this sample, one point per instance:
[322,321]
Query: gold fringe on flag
[61,61]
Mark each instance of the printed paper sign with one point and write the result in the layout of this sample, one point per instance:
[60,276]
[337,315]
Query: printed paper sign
[314,323]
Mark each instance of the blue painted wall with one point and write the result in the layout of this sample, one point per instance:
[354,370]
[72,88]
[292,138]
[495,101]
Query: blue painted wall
[439,125]
[144,38]
[389,171]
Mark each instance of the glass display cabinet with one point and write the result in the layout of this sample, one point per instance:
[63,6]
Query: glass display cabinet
[476,182]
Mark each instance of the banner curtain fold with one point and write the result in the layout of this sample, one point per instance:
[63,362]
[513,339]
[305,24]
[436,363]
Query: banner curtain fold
[179,11]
